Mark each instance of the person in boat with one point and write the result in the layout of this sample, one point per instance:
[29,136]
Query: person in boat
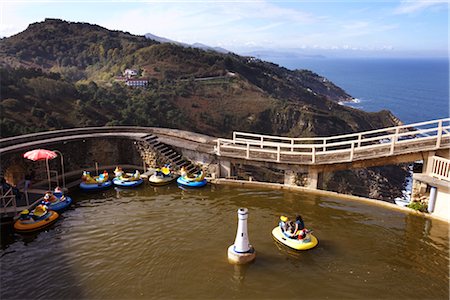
[183,172]
[299,222]
[302,232]
[85,176]
[24,215]
[39,211]
[291,228]
[284,223]
[166,170]
[49,197]
[118,172]
[158,172]
[102,177]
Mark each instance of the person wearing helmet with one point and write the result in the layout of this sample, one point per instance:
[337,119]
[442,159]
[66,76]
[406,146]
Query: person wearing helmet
[284,223]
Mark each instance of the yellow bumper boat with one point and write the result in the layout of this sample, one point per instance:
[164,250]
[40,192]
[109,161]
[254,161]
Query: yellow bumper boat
[294,234]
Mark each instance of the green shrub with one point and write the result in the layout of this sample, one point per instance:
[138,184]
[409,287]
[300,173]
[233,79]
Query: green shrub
[423,207]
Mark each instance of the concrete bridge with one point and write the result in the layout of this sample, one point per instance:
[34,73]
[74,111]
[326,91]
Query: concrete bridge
[311,155]
[393,145]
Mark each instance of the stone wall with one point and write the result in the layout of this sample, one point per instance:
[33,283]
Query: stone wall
[78,155]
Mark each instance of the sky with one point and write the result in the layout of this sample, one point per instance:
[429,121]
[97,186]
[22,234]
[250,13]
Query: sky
[392,27]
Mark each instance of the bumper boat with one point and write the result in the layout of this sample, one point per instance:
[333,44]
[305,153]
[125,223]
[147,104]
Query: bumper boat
[95,183]
[191,181]
[162,176]
[123,179]
[56,201]
[40,218]
[295,238]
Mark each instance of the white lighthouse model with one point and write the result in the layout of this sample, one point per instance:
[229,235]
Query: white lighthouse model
[241,251]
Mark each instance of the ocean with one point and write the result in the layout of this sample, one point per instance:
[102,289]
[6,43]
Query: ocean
[414,90]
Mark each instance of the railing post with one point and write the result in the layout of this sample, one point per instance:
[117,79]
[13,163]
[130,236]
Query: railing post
[292,145]
[324,147]
[278,153]
[218,147]
[262,142]
[234,135]
[248,151]
[394,140]
[313,154]
[439,135]
[352,151]
[359,140]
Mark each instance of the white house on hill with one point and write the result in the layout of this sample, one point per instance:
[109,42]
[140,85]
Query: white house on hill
[130,73]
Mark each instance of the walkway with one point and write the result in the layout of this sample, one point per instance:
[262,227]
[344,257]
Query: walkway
[368,145]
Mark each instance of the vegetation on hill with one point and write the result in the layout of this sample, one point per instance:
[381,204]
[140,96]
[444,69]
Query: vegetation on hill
[59,74]
[79,62]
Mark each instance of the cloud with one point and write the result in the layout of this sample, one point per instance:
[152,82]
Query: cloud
[417,6]
[11,21]
[212,23]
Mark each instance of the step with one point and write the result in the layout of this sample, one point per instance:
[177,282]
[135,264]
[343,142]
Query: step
[160,146]
[173,155]
[148,137]
[177,161]
[151,138]
[166,151]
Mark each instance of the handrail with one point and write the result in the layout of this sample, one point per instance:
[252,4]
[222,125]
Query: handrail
[388,138]
[356,134]
[8,199]
[5,142]
[11,143]
[440,168]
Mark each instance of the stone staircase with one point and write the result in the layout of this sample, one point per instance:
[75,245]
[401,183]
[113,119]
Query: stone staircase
[155,154]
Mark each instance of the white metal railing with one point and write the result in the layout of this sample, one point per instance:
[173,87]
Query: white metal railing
[307,149]
[440,168]
[8,199]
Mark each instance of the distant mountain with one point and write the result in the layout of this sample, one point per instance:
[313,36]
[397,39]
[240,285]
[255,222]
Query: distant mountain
[195,45]
[162,39]
[209,48]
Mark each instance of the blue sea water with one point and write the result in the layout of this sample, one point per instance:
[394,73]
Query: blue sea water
[415,90]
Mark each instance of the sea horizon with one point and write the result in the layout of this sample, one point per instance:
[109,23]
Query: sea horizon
[413,89]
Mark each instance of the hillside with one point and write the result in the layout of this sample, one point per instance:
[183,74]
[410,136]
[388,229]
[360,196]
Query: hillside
[84,58]
[59,74]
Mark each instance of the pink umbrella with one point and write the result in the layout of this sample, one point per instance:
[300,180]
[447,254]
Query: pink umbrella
[41,154]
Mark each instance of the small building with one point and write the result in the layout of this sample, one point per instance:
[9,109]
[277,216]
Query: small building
[432,186]
[137,82]
[129,73]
